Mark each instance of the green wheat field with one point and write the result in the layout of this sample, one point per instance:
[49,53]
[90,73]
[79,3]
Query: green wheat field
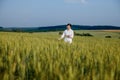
[40,56]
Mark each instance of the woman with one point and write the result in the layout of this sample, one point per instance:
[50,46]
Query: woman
[68,34]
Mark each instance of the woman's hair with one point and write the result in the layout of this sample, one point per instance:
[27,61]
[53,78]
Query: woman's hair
[69,25]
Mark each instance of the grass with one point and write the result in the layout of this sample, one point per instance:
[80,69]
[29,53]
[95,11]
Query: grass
[40,56]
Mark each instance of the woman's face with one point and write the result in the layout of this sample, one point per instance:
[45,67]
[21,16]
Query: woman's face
[68,27]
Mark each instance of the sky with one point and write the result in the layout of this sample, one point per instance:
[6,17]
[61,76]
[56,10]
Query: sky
[34,13]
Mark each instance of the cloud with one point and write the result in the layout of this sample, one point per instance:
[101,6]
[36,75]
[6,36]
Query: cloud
[83,1]
[76,1]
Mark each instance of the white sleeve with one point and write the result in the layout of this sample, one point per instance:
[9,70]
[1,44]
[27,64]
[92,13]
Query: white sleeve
[63,35]
[72,34]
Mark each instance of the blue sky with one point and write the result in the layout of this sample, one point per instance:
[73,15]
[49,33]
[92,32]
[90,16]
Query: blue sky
[29,13]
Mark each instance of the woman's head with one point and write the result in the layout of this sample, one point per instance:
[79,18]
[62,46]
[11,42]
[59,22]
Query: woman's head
[69,26]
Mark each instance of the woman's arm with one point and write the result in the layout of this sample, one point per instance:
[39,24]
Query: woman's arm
[62,36]
[72,35]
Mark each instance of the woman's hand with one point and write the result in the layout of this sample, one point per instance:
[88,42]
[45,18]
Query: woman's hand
[68,36]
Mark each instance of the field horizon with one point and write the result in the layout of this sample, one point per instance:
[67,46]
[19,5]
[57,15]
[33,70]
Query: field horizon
[59,28]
